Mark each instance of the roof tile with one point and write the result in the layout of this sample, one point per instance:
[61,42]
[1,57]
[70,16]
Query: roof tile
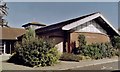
[11,33]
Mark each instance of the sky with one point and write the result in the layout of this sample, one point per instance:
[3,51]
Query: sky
[20,13]
[61,0]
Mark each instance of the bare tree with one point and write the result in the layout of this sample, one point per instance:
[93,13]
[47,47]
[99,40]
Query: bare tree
[3,12]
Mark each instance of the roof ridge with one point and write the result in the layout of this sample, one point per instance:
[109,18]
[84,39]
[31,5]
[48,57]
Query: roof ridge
[75,17]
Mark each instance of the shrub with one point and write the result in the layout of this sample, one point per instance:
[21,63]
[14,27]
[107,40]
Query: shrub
[116,41]
[33,51]
[117,53]
[81,43]
[81,40]
[76,50]
[73,57]
[97,50]
[91,51]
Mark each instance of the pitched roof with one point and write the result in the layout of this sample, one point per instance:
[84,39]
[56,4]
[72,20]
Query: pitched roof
[99,18]
[61,24]
[11,33]
[72,23]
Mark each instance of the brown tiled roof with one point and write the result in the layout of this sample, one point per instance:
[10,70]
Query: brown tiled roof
[11,33]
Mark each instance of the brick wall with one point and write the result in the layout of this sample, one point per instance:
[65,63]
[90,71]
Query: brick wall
[90,37]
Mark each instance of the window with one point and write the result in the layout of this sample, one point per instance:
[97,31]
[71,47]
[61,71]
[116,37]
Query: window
[1,47]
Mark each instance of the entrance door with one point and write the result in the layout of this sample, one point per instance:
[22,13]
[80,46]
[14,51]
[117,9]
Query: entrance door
[8,47]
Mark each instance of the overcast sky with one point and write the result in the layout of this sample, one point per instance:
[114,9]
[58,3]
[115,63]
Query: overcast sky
[52,12]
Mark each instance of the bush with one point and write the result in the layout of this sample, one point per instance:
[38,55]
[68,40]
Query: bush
[81,40]
[76,50]
[117,53]
[81,43]
[97,50]
[33,51]
[116,41]
[91,51]
[73,57]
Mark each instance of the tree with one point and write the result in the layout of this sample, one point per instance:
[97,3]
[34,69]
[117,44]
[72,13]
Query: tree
[3,12]
[116,41]
[3,7]
[34,51]
[81,43]
[81,40]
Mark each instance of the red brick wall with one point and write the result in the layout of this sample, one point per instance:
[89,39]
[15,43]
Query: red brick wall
[90,38]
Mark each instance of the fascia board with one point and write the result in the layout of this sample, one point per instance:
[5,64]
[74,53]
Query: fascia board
[109,24]
[82,21]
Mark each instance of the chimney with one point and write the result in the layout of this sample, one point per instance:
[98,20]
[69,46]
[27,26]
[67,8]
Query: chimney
[33,25]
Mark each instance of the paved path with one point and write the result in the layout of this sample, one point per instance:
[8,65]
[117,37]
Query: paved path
[105,66]
[63,65]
